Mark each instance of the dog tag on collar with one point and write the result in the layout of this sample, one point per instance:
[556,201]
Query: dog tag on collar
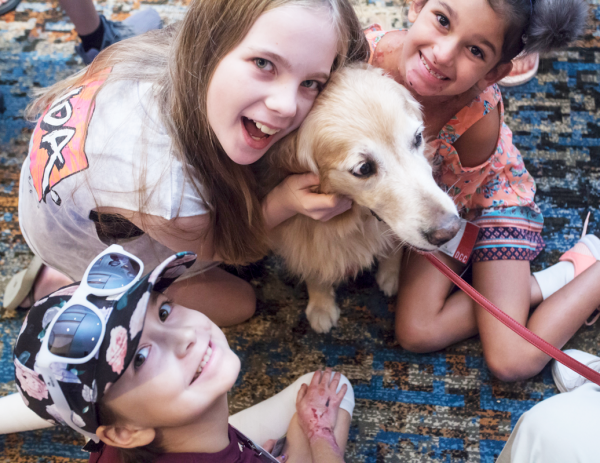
[461,246]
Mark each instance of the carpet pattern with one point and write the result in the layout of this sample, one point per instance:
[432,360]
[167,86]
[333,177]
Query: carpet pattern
[441,407]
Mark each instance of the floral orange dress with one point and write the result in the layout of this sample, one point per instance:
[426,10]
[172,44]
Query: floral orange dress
[498,195]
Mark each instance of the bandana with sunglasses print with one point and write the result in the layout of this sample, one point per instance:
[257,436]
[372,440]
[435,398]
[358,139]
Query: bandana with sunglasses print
[84,385]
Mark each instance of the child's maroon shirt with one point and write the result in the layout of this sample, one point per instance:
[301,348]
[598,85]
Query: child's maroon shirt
[235,452]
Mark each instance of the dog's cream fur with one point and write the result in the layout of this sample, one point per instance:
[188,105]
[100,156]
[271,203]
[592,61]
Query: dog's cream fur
[361,117]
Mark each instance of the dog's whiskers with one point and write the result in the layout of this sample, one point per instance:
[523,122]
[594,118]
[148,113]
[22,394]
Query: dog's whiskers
[388,232]
[400,245]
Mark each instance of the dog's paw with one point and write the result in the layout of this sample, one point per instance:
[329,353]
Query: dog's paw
[387,280]
[322,317]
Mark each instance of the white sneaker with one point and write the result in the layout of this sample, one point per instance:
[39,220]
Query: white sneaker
[566,379]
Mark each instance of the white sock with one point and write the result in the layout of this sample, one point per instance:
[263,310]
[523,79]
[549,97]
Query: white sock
[555,277]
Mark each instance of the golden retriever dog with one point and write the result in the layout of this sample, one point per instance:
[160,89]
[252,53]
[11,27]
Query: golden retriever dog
[364,139]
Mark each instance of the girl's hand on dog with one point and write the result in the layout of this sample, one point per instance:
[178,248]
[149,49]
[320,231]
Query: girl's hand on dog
[295,195]
[317,206]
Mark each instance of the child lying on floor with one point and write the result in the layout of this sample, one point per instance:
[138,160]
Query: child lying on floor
[116,360]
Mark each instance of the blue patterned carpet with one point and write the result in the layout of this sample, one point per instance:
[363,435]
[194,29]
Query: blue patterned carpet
[442,407]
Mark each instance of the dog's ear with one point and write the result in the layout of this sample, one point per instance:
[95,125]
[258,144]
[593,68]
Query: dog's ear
[277,163]
[307,138]
[413,107]
[293,154]
[283,154]
[429,152]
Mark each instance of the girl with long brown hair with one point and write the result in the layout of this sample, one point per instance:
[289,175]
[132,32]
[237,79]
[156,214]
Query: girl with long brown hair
[149,146]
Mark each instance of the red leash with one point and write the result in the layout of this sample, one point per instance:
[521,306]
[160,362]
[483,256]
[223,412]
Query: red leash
[533,338]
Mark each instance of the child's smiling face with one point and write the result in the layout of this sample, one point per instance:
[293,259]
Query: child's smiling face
[270,80]
[162,387]
[452,46]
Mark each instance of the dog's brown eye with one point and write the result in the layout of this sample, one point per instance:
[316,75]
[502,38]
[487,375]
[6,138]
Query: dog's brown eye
[364,169]
[418,139]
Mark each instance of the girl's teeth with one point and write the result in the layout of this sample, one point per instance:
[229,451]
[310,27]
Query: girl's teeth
[197,374]
[437,76]
[206,358]
[264,129]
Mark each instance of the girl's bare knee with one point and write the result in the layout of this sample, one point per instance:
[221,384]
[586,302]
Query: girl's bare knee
[414,332]
[511,368]
[246,306]
[505,372]
[413,339]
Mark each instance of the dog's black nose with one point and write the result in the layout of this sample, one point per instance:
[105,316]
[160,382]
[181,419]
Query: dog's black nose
[448,227]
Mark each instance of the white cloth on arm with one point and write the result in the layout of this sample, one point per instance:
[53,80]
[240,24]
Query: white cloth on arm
[561,429]
[271,418]
[130,159]
[18,417]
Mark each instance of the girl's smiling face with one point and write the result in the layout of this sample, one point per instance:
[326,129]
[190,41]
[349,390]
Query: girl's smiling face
[452,46]
[182,367]
[263,89]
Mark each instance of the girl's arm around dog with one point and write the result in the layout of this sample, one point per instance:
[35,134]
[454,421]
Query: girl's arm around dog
[295,195]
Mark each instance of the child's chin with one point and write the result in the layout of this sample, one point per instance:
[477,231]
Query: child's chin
[245,158]
[424,89]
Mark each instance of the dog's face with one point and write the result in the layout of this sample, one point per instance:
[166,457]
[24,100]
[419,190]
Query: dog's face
[364,137]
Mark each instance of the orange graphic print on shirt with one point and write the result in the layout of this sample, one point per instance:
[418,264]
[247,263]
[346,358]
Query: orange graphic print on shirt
[59,138]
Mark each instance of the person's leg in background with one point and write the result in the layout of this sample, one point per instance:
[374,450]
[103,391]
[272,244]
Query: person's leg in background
[31,284]
[563,428]
[83,15]
[97,32]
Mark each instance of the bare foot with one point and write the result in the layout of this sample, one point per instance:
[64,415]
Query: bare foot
[46,282]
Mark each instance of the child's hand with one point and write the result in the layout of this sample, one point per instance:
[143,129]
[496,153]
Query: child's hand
[270,445]
[294,196]
[314,205]
[318,404]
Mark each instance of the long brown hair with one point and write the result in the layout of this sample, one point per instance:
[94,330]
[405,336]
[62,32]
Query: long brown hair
[180,61]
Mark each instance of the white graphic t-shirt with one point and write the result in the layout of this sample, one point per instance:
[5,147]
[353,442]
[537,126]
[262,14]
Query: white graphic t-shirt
[113,152]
